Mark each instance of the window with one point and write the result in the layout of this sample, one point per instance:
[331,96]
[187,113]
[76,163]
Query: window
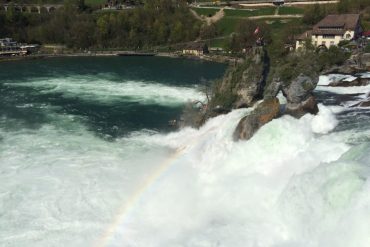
[323,43]
[348,36]
[331,42]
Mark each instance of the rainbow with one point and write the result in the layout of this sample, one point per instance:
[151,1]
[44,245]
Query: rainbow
[129,205]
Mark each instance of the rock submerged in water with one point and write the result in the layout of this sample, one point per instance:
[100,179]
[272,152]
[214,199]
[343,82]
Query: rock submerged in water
[262,114]
[354,83]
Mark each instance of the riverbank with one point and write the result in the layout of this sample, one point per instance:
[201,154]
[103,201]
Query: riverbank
[211,58]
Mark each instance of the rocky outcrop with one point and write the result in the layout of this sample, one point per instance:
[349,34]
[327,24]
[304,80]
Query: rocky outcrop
[262,114]
[355,64]
[243,84]
[298,110]
[300,99]
[249,87]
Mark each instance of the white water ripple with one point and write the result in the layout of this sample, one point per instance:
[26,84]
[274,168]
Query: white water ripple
[108,91]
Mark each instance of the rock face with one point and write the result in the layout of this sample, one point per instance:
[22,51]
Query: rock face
[264,113]
[300,99]
[243,84]
[297,110]
[356,64]
[249,87]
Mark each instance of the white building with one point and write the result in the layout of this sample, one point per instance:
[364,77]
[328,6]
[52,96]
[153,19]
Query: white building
[331,30]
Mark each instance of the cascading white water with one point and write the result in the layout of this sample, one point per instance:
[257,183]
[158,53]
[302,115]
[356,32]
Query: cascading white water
[298,183]
[290,185]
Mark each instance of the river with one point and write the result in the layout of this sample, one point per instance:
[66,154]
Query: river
[87,159]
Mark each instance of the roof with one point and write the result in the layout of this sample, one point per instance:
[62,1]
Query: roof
[336,24]
[305,35]
[366,33]
[195,46]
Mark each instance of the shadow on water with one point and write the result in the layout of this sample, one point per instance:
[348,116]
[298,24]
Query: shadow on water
[27,107]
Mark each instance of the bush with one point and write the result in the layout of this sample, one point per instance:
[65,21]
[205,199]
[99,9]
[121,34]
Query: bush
[367,48]
[333,56]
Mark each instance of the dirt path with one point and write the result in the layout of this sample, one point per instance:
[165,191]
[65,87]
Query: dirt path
[287,3]
[274,17]
[209,20]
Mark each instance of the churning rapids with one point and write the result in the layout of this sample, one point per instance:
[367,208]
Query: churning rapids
[70,176]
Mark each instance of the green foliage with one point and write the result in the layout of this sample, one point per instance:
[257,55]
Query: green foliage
[367,48]
[343,43]
[352,6]
[244,36]
[333,56]
[294,64]
[314,14]
[158,22]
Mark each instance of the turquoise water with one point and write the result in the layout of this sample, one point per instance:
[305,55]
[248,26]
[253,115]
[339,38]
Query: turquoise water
[112,96]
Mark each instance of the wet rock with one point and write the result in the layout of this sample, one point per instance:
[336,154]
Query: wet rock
[300,99]
[273,89]
[300,88]
[365,103]
[248,88]
[355,83]
[297,110]
[262,114]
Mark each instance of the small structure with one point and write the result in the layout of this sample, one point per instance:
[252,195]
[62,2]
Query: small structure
[278,2]
[7,43]
[196,49]
[366,35]
[331,30]
[9,47]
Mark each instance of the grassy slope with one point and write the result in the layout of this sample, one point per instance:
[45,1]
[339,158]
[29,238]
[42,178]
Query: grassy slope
[227,25]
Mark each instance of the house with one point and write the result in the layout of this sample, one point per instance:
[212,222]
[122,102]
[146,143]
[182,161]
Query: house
[7,43]
[331,30]
[195,49]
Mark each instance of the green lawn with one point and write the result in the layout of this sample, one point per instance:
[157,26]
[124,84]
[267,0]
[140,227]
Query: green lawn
[236,12]
[248,13]
[95,2]
[206,11]
[285,10]
[227,25]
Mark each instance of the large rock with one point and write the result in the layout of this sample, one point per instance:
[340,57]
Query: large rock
[300,99]
[262,114]
[273,89]
[249,87]
[297,110]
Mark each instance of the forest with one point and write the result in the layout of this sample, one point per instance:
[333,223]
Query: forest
[154,23]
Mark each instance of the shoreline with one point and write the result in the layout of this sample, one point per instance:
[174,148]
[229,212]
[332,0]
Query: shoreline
[209,58]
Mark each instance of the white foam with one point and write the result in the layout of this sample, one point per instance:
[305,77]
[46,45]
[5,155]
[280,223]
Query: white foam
[106,90]
[290,185]
[325,80]
[325,120]
[239,194]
